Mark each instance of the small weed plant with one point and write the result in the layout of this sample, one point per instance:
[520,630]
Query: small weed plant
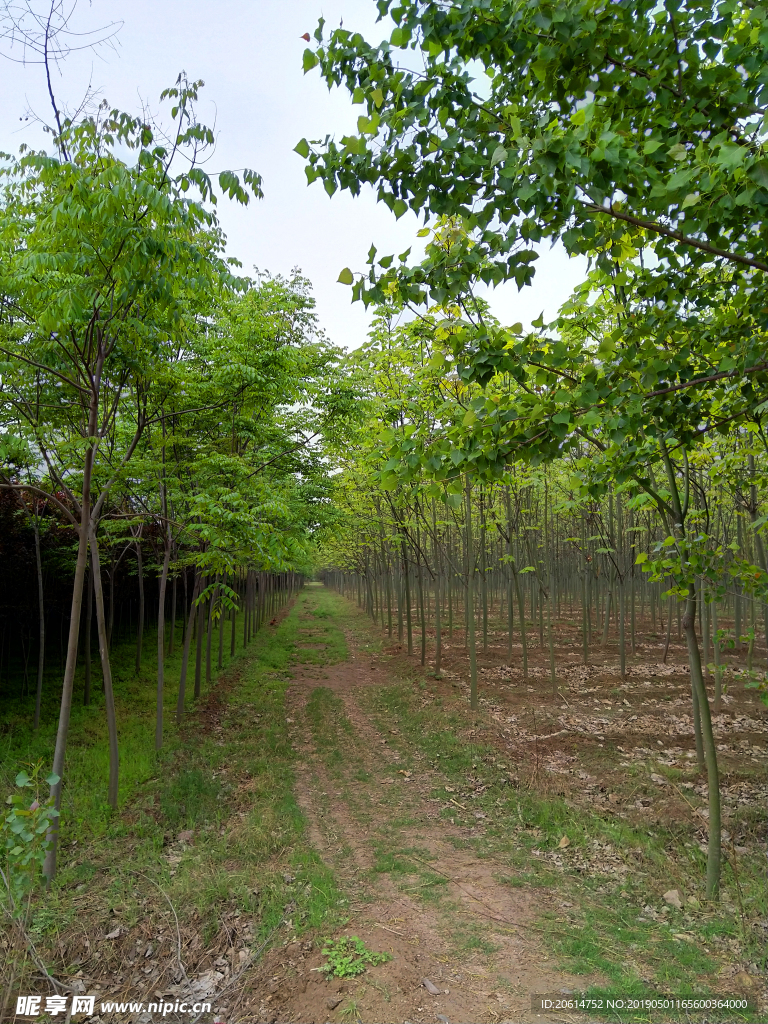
[349,957]
[24,837]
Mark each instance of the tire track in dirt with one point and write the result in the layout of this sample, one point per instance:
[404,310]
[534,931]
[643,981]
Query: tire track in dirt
[352,809]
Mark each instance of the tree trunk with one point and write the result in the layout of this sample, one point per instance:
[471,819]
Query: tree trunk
[112,569]
[438,596]
[220,661]
[550,588]
[140,572]
[49,867]
[41,623]
[419,578]
[718,665]
[408,619]
[185,655]
[87,638]
[234,620]
[161,636]
[172,637]
[470,599]
[759,545]
[106,671]
[710,750]
[209,638]
[510,580]
[199,649]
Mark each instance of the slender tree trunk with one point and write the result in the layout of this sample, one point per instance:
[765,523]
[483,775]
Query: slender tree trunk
[718,663]
[470,599]
[172,637]
[106,671]
[483,572]
[87,638]
[408,617]
[400,591]
[41,623]
[759,545]
[140,573]
[669,629]
[510,590]
[220,660]
[161,631]
[584,601]
[112,570]
[209,638]
[420,581]
[187,645]
[49,867]
[199,649]
[437,595]
[246,605]
[710,750]
[234,620]
[388,582]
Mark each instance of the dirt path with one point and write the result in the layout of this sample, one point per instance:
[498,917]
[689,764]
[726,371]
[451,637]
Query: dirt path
[416,886]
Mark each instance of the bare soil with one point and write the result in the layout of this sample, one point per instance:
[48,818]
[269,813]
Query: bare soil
[480,986]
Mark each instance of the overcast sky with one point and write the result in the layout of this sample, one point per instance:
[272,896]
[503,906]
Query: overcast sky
[249,52]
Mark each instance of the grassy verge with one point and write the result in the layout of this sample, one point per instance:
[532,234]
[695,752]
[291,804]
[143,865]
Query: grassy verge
[208,830]
[85,809]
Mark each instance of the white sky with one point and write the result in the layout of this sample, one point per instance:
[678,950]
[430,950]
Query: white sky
[249,52]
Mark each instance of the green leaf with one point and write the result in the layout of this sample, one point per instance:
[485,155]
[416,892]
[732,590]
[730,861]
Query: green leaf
[690,200]
[346,276]
[651,145]
[53,779]
[678,151]
[499,155]
[759,173]
[302,148]
[22,779]
[642,557]
[539,68]
[731,156]
[309,60]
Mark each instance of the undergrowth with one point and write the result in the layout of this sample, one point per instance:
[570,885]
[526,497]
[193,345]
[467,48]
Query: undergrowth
[208,828]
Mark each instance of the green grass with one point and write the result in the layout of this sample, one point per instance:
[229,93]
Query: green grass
[84,805]
[322,641]
[228,775]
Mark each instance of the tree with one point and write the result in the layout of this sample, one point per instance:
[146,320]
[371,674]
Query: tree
[103,264]
[631,132]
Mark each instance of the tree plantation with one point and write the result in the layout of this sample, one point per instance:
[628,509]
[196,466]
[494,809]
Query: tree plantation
[420,679]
